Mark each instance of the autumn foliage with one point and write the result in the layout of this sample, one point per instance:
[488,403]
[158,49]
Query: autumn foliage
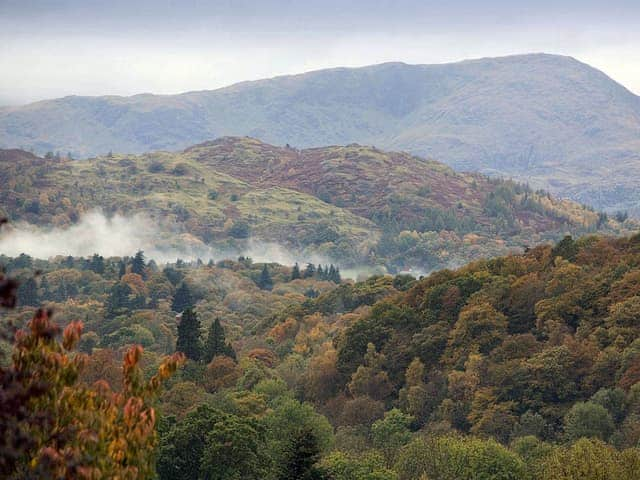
[56,427]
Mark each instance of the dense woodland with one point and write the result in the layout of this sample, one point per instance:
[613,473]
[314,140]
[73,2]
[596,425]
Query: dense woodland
[519,367]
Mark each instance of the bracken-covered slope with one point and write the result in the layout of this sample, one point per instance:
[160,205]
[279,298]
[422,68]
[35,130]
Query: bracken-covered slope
[550,120]
[354,204]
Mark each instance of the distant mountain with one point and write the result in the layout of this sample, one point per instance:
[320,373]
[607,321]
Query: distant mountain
[352,204]
[550,120]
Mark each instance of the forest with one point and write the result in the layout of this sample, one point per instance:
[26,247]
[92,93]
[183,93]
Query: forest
[519,367]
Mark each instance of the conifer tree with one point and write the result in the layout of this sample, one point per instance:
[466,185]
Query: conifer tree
[302,455]
[138,264]
[97,264]
[295,272]
[123,269]
[118,300]
[28,293]
[216,343]
[182,299]
[265,282]
[320,272]
[310,270]
[189,335]
[45,289]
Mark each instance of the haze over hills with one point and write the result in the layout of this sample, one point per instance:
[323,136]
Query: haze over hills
[354,205]
[550,120]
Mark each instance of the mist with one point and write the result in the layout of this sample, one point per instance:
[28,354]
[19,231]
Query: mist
[120,236]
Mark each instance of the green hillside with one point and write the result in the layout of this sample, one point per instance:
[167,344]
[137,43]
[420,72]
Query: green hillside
[332,201]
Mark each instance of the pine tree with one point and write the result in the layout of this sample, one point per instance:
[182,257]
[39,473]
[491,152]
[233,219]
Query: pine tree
[320,272]
[123,269]
[138,265]
[302,454]
[118,300]
[265,282]
[189,335]
[310,271]
[45,289]
[97,264]
[295,272]
[216,343]
[28,293]
[182,299]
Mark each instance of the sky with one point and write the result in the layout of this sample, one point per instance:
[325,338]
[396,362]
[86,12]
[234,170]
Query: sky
[51,48]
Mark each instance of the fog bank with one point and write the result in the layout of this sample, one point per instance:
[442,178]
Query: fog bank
[120,236]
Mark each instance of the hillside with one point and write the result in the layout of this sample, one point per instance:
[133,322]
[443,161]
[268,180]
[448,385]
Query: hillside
[526,367]
[354,205]
[549,120]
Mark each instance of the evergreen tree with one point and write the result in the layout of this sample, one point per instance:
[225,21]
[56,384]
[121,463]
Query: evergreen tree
[123,269]
[302,454]
[265,282]
[118,300]
[189,335]
[182,299]
[28,293]
[138,264]
[295,272]
[310,271]
[97,264]
[173,275]
[320,272]
[216,343]
[45,289]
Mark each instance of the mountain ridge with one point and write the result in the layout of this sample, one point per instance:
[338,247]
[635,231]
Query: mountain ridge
[549,120]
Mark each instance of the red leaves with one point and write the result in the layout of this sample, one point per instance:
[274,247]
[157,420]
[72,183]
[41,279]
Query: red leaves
[71,335]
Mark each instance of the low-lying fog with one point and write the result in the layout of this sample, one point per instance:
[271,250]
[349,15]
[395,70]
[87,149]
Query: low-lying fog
[120,236]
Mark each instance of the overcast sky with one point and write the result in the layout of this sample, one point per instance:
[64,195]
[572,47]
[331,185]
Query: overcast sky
[88,47]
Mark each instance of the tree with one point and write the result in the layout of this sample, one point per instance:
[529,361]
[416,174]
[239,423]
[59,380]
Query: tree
[216,343]
[265,282]
[370,379]
[97,264]
[55,427]
[118,302]
[138,264]
[589,420]
[211,445]
[28,293]
[189,335]
[303,452]
[122,270]
[391,433]
[309,271]
[182,299]
[590,459]
[295,272]
[459,458]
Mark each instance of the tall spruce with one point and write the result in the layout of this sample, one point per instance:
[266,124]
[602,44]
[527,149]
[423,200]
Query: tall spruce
[97,264]
[189,335]
[122,271]
[265,282]
[182,299]
[138,264]
[302,454]
[28,293]
[310,271]
[216,343]
[295,272]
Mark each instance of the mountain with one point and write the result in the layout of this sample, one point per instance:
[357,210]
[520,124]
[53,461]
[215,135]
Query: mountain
[352,204]
[550,120]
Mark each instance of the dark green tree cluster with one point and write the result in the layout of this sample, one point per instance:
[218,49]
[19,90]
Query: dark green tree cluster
[330,272]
